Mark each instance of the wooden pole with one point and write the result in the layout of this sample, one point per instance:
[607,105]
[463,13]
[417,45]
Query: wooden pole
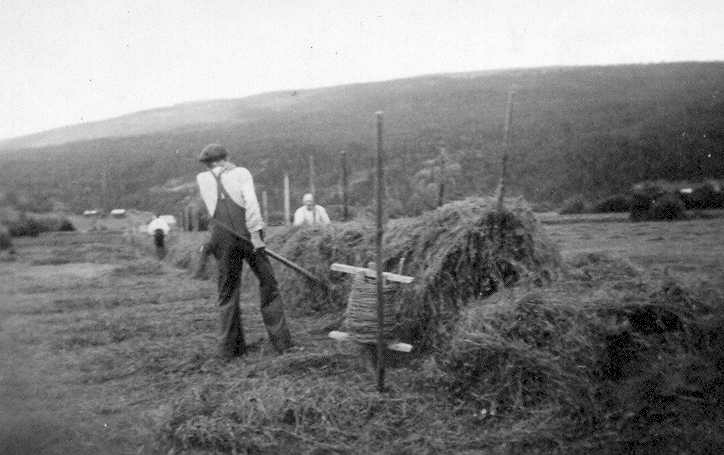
[311,174]
[441,192]
[104,189]
[265,205]
[287,219]
[506,147]
[380,234]
[345,187]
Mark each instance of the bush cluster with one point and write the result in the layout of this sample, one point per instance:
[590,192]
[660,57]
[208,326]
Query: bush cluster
[27,226]
[5,239]
[613,204]
[703,197]
[666,207]
[573,206]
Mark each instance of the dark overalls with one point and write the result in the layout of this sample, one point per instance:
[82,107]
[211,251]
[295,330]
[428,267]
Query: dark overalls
[230,253]
[158,240]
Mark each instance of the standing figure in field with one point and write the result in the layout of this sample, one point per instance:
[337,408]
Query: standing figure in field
[229,195]
[310,214]
[159,229]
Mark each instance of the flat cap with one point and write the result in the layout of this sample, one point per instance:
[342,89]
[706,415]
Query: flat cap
[213,152]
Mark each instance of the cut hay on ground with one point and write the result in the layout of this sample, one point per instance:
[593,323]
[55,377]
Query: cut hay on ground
[462,251]
[184,250]
[630,367]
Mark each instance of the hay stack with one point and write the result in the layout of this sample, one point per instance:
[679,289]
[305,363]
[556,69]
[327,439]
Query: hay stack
[640,367]
[462,251]
[523,354]
[184,249]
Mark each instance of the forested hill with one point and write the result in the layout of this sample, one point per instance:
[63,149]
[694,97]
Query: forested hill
[578,130]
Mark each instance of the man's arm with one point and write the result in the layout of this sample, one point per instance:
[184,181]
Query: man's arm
[207,191]
[323,217]
[254,221]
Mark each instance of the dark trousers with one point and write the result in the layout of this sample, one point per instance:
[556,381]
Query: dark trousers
[230,253]
[158,241]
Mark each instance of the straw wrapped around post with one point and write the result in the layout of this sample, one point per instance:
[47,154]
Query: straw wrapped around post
[360,318]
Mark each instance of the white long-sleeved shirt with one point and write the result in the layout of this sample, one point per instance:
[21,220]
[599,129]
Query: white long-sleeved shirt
[318,215]
[239,183]
[158,223]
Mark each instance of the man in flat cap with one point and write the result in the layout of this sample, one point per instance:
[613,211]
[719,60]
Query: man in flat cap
[229,195]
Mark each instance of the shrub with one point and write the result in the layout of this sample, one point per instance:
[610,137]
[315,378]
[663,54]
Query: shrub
[703,197]
[572,206]
[66,225]
[613,204]
[668,207]
[5,239]
[32,227]
[649,207]
[543,206]
[640,205]
[25,226]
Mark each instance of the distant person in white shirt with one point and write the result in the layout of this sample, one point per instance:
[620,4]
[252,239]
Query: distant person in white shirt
[310,214]
[236,237]
[159,229]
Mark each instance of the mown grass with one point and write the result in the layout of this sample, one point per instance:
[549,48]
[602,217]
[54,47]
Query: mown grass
[132,348]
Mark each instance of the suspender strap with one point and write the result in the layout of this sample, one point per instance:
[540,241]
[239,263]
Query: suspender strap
[221,192]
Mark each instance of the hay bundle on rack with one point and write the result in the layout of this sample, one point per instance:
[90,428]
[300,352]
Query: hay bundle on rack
[460,252]
[360,318]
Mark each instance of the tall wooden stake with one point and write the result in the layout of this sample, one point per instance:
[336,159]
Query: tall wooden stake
[506,147]
[265,206]
[311,174]
[345,187]
[441,192]
[380,234]
[105,205]
[287,219]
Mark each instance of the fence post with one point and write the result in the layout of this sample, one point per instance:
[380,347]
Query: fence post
[287,219]
[265,205]
[379,261]
[441,190]
[506,147]
[345,187]
[311,175]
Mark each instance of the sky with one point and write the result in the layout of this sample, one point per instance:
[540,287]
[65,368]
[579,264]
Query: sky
[71,61]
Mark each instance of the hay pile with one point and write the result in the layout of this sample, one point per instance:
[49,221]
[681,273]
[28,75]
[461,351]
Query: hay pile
[518,354]
[635,368]
[184,250]
[462,251]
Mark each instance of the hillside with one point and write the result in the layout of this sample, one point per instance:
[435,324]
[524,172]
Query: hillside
[579,130]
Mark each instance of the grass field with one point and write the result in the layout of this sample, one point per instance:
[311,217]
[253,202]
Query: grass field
[105,350]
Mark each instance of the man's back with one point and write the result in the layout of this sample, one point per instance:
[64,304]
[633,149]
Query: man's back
[239,184]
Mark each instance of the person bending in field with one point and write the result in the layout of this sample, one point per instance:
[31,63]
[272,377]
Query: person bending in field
[159,229]
[310,214]
[229,195]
